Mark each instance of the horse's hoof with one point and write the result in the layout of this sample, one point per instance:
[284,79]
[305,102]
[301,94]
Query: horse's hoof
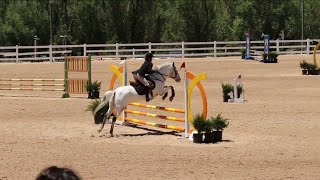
[99,130]
[111,135]
[171,98]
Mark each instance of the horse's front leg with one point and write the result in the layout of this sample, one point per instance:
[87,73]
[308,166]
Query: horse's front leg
[164,93]
[172,93]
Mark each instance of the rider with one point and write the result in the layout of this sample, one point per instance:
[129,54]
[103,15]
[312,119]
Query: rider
[140,74]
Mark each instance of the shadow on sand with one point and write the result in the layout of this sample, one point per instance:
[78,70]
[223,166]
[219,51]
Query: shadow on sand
[151,132]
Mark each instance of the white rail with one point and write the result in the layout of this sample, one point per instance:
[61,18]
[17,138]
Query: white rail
[161,50]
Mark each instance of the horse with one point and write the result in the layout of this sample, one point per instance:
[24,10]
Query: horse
[119,98]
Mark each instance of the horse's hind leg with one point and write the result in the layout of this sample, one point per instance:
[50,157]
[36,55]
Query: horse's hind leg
[114,120]
[106,117]
[112,125]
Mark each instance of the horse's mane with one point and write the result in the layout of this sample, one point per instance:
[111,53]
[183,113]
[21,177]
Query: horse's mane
[160,66]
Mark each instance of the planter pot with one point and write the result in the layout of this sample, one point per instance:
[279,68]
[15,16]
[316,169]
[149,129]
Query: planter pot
[198,138]
[90,96]
[264,60]
[304,71]
[208,137]
[226,98]
[96,94]
[310,72]
[315,72]
[217,136]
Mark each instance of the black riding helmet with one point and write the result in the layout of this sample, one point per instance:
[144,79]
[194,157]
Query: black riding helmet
[148,56]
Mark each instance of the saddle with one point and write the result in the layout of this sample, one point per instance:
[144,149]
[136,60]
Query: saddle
[141,89]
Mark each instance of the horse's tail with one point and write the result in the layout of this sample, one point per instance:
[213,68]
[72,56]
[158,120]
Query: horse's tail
[105,100]
[111,100]
[107,95]
[102,108]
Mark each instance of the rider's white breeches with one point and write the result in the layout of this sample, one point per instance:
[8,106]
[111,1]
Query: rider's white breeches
[142,79]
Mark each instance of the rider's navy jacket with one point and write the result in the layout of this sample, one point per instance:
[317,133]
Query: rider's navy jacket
[146,68]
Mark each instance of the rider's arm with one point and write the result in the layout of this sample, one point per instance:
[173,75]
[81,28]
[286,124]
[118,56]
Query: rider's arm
[149,68]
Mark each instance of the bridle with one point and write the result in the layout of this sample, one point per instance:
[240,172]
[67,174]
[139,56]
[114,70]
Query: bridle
[174,76]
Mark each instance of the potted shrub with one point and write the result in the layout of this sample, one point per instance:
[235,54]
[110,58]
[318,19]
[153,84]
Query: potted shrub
[208,135]
[89,89]
[304,66]
[93,90]
[312,69]
[199,124]
[219,123]
[96,86]
[243,53]
[226,90]
[265,57]
[273,57]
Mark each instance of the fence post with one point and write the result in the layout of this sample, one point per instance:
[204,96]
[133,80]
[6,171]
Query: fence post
[182,49]
[278,48]
[149,47]
[117,51]
[308,46]
[50,53]
[17,53]
[84,49]
[215,48]
[133,53]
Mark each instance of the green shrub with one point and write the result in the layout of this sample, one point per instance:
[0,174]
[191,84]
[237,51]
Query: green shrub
[96,85]
[226,88]
[312,67]
[265,56]
[199,123]
[208,125]
[93,105]
[304,64]
[243,53]
[219,123]
[272,55]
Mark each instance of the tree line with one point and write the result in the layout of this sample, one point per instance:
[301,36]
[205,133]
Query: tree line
[135,21]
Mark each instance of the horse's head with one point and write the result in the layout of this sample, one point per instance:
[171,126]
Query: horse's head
[170,70]
[175,74]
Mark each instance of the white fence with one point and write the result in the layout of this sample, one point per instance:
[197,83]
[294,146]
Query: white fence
[54,53]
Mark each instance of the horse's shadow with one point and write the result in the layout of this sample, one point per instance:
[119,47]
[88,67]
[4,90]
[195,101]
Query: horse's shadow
[151,132]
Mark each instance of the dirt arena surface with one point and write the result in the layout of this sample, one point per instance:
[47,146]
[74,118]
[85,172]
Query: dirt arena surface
[274,135]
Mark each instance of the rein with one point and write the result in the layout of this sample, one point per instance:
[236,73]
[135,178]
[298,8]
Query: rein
[163,75]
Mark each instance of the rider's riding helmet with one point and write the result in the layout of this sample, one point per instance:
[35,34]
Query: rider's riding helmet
[148,56]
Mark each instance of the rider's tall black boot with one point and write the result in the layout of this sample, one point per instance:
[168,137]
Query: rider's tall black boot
[147,94]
